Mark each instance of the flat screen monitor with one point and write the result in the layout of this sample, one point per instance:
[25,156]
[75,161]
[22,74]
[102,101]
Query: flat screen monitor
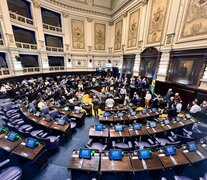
[170,150]
[31,143]
[99,127]
[66,108]
[106,114]
[153,124]
[115,154]
[145,154]
[188,116]
[38,113]
[48,117]
[154,110]
[133,113]
[137,126]
[192,146]
[120,114]
[85,153]
[144,111]
[61,122]
[119,128]
[77,111]
[177,119]
[166,121]
[12,136]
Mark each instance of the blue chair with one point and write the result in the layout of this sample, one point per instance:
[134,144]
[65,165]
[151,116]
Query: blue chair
[125,145]
[25,130]
[10,173]
[146,144]
[167,141]
[182,178]
[54,114]
[45,110]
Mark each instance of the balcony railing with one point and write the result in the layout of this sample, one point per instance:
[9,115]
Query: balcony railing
[1,42]
[54,49]
[4,72]
[31,70]
[20,18]
[52,28]
[57,68]
[26,45]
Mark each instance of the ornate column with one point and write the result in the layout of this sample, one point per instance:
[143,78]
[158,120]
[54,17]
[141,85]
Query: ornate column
[137,64]
[163,66]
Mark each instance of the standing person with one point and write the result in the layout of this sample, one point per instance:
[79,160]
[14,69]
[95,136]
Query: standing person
[169,95]
[95,102]
[148,97]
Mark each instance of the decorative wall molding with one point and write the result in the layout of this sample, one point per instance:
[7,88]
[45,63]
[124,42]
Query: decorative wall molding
[65,14]
[36,4]
[89,19]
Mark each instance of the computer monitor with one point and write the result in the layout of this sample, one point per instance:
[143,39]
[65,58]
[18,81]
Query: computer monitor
[38,113]
[192,146]
[85,153]
[66,108]
[77,111]
[133,113]
[121,105]
[106,114]
[119,128]
[144,111]
[115,154]
[167,121]
[154,110]
[153,124]
[31,143]
[170,150]
[120,114]
[145,153]
[99,127]
[188,116]
[137,126]
[12,136]
[48,117]
[61,122]
[177,119]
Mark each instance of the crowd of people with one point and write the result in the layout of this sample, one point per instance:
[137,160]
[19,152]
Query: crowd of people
[68,90]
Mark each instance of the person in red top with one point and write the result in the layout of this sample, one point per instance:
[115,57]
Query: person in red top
[177,97]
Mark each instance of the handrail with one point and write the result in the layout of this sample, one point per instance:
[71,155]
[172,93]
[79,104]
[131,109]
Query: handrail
[56,68]
[31,69]
[55,49]
[20,18]
[26,45]
[51,27]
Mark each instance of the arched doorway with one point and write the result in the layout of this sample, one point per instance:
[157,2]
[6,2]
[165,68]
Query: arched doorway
[150,59]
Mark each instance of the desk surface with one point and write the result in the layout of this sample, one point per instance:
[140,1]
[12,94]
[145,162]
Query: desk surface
[94,133]
[23,151]
[115,134]
[151,164]
[195,156]
[84,164]
[58,127]
[140,132]
[179,158]
[155,130]
[117,118]
[34,118]
[8,145]
[45,123]
[109,119]
[24,109]
[79,116]
[108,165]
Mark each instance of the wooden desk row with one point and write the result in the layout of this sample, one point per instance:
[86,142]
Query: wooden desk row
[18,148]
[100,163]
[109,132]
[51,124]
[127,117]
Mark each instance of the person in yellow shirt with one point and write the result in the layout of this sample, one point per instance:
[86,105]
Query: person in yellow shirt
[41,104]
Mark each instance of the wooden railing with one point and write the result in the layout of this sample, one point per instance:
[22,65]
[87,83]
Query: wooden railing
[4,72]
[54,49]
[26,45]
[20,18]
[52,28]
[56,68]
[1,42]
[31,70]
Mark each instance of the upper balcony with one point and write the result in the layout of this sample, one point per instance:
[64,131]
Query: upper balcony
[51,20]
[20,10]
[54,43]
[24,38]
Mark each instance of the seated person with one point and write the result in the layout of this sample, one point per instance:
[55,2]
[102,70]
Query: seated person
[172,112]
[110,102]
[41,104]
